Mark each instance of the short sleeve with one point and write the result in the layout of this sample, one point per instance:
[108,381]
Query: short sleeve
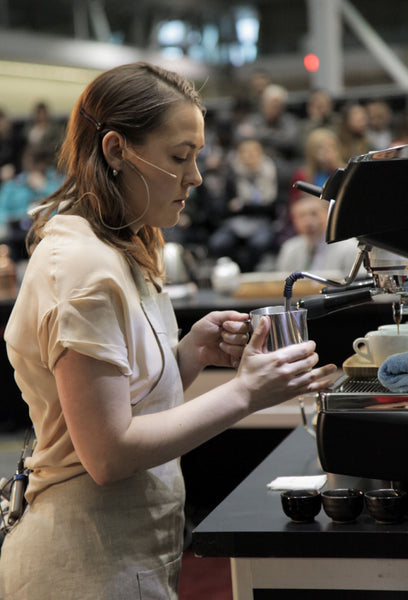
[91,324]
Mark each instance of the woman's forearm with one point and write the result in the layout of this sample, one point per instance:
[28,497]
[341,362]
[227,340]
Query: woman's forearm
[153,439]
[112,444]
[187,360]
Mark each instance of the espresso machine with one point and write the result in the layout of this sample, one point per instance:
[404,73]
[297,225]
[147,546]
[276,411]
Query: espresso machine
[362,428]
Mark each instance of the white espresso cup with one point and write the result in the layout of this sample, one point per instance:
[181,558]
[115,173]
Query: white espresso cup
[392,327]
[378,345]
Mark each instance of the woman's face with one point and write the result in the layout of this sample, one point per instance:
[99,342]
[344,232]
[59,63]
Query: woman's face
[357,119]
[250,154]
[167,162]
[326,153]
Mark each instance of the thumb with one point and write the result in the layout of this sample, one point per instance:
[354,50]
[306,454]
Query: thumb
[259,338]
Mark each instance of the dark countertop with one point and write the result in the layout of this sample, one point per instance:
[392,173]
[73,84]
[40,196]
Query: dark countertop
[250,521]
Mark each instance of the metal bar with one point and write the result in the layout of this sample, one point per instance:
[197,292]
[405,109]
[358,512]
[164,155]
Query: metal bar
[373,42]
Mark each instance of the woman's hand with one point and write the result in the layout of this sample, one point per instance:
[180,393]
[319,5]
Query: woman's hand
[218,339]
[95,397]
[273,377]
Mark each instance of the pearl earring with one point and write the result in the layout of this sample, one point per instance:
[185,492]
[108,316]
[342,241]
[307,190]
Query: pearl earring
[114,172]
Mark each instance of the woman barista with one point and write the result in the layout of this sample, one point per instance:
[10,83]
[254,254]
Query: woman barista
[93,342]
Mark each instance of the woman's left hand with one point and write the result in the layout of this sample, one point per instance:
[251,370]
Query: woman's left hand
[220,337]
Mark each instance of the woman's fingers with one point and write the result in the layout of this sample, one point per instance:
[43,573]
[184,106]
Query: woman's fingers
[315,379]
[259,338]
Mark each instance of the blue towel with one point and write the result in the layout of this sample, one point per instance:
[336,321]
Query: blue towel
[393,373]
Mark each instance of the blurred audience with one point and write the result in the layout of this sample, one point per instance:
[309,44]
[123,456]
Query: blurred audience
[353,131]
[401,130]
[9,148]
[308,250]
[247,227]
[36,181]
[322,156]
[257,83]
[380,125]
[242,116]
[320,113]
[274,125]
[42,132]
[255,149]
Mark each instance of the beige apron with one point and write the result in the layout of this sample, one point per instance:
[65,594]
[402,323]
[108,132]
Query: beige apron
[81,541]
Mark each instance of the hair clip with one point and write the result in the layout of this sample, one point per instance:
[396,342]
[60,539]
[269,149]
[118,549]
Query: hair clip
[97,124]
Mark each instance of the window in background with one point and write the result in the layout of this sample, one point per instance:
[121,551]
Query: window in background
[233,39]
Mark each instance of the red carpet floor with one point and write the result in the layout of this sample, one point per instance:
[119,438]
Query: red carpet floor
[205,578]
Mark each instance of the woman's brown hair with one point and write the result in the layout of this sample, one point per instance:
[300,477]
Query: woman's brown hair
[132,100]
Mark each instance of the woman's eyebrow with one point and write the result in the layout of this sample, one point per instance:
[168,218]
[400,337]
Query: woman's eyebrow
[189,144]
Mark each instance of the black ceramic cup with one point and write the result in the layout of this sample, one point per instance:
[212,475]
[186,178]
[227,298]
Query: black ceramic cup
[343,505]
[301,505]
[387,505]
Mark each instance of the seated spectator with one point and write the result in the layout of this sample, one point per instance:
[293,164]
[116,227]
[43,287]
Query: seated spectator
[43,132]
[247,229]
[322,156]
[353,131]
[9,156]
[380,129]
[37,180]
[274,125]
[400,137]
[319,113]
[242,115]
[258,81]
[308,250]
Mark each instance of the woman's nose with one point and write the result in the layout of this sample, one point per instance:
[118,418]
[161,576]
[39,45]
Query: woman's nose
[194,177]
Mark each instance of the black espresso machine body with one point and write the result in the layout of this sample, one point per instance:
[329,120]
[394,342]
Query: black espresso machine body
[362,430]
[369,200]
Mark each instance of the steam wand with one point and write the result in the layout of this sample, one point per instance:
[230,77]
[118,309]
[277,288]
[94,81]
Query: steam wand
[290,281]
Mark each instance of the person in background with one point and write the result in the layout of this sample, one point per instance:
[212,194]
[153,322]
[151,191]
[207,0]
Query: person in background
[352,131]
[308,250]
[380,124]
[9,149]
[94,344]
[320,113]
[42,131]
[258,81]
[37,180]
[274,125]
[322,154]
[247,228]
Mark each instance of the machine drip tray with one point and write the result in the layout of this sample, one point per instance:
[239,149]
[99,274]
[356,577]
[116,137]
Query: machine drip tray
[366,385]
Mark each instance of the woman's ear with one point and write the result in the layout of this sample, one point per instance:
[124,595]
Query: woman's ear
[112,147]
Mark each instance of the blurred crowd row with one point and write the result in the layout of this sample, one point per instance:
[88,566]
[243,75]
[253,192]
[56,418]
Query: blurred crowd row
[247,207]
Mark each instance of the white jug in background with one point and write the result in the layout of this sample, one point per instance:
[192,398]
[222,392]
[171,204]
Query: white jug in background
[225,275]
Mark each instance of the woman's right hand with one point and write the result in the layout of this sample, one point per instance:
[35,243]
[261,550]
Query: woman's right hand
[270,378]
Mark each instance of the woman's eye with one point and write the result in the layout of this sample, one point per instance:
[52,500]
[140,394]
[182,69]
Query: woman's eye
[179,159]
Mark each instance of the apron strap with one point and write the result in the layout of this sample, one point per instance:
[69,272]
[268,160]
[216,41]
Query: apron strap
[150,309]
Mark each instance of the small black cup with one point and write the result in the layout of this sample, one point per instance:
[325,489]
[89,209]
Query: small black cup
[301,505]
[343,505]
[387,505]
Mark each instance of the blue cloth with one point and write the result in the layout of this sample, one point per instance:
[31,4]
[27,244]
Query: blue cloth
[393,373]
